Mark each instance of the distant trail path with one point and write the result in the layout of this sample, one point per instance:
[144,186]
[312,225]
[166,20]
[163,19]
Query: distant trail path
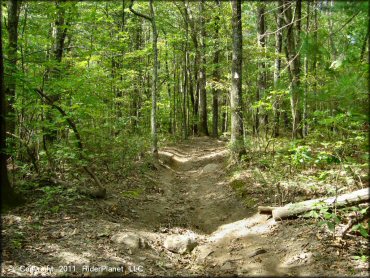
[194,193]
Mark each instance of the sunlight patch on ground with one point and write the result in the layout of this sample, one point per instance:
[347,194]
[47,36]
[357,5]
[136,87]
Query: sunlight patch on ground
[243,227]
[176,159]
[72,258]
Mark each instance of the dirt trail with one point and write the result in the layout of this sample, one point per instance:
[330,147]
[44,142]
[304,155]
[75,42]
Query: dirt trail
[189,197]
[193,193]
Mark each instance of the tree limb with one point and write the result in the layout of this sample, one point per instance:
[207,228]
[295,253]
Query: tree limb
[138,13]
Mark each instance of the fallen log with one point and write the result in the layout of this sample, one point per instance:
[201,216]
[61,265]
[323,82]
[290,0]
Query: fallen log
[266,209]
[290,210]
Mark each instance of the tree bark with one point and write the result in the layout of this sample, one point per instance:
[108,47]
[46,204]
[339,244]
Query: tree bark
[13,19]
[224,118]
[363,48]
[294,68]
[194,95]
[334,53]
[304,116]
[216,73]
[314,62]
[8,197]
[203,127]
[237,144]
[59,34]
[278,51]
[186,81]
[154,83]
[261,83]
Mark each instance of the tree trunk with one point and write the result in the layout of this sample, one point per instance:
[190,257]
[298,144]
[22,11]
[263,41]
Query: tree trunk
[278,51]
[334,53]
[153,114]
[224,114]
[8,196]
[237,145]
[363,48]
[186,81]
[304,116]
[170,130]
[203,127]
[314,62]
[261,83]
[153,119]
[194,96]
[294,68]
[216,74]
[59,34]
[13,18]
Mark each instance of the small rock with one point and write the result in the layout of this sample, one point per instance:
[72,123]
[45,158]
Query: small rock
[181,243]
[210,168]
[203,253]
[130,240]
[302,256]
[103,234]
[168,266]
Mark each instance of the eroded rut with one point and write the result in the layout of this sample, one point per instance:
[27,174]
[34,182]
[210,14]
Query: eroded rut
[195,188]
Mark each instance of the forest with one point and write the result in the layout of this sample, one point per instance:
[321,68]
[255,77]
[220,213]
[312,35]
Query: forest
[178,138]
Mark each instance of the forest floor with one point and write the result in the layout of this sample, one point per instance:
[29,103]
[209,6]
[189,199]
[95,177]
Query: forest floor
[182,218]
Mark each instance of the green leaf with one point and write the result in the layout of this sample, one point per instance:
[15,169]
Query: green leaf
[331,226]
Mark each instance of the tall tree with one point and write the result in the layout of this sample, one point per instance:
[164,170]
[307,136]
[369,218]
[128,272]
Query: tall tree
[13,18]
[203,127]
[8,196]
[59,33]
[237,144]
[277,68]
[261,40]
[294,69]
[216,72]
[194,96]
[153,115]
[305,63]
[185,89]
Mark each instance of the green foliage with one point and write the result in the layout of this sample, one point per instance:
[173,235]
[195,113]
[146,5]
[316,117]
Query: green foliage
[134,194]
[55,198]
[328,218]
[300,155]
[363,258]
[50,194]
[325,215]
[103,83]
[17,240]
[326,158]
[362,229]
